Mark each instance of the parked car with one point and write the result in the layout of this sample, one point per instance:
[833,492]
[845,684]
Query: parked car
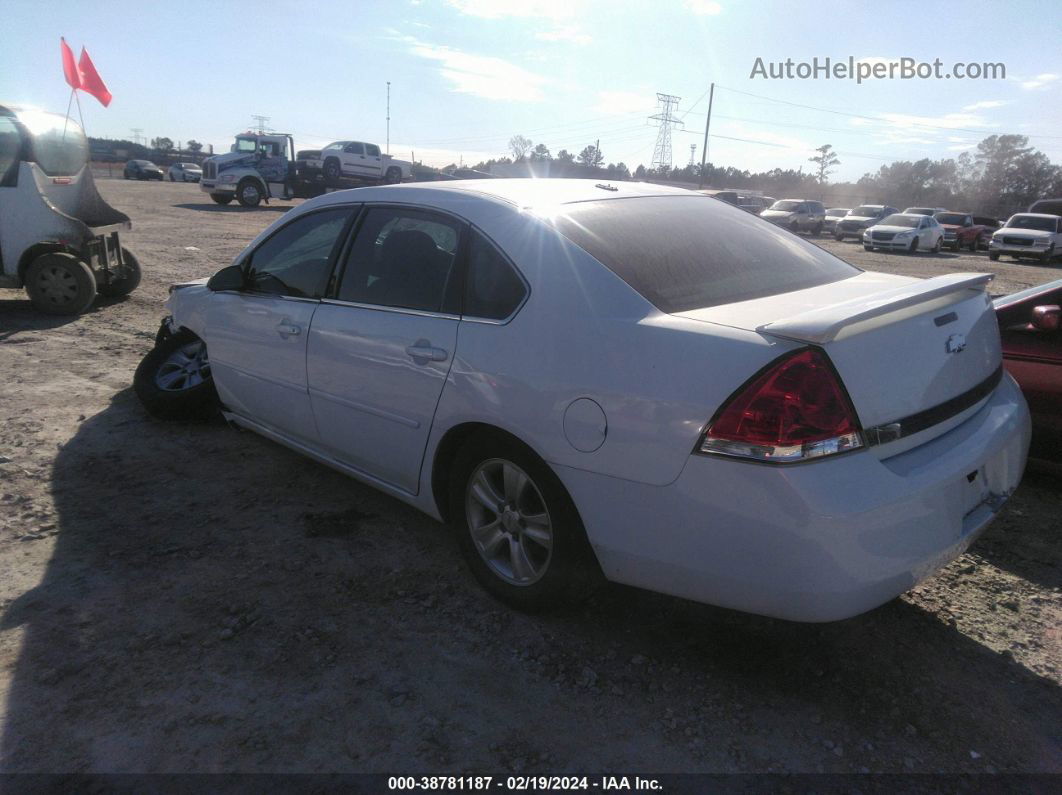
[859,219]
[1029,323]
[832,216]
[1037,235]
[923,210]
[752,204]
[708,413]
[1048,206]
[990,225]
[796,215]
[358,160]
[185,172]
[960,230]
[908,232]
[59,239]
[142,169]
[728,196]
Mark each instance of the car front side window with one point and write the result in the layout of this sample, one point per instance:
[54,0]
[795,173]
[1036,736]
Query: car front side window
[295,260]
[403,258]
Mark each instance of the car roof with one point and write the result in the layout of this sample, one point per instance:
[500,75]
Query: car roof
[910,215]
[524,193]
[1034,215]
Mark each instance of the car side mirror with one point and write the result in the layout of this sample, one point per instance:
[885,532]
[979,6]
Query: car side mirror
[230,278]
[1047,317]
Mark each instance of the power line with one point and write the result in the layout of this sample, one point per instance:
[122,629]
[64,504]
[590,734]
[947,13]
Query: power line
[877,119]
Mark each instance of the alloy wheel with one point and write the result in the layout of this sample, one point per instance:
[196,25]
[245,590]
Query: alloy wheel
[185,368]
[509,522]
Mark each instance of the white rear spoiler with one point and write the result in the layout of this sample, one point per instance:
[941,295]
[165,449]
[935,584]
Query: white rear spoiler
[822,325]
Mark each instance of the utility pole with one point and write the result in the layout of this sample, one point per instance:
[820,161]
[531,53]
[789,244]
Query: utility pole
[707,124]
[261,121]
[388,150]
[662,150]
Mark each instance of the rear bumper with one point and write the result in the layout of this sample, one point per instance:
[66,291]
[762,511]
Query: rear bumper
[820,541]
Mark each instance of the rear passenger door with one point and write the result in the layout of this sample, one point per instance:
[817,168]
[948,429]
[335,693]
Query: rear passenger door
[382,342]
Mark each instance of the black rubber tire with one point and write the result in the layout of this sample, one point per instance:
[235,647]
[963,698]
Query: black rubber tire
[838,238]
[47,270]
[245,183]
[332,172]
[120,287]
[975,243]
[994,256]
[794,228]
[938,245]
[818,229]
[1047,255]
[572,572]
[221,198]
[199,402]
[867,248]
[393,176]
[956,247]
[173,178]
[913,249]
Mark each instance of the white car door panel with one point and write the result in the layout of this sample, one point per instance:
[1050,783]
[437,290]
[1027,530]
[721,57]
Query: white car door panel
[375,377]
[257,347]
[379,353]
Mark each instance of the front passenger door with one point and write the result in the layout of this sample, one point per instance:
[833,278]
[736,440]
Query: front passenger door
[381,345]
[256,337]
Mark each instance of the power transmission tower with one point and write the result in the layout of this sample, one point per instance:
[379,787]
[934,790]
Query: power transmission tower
[693,153]
[136,133]
[662,150]
[261,122]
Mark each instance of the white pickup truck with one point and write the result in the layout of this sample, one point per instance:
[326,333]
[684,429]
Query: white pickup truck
[355,160]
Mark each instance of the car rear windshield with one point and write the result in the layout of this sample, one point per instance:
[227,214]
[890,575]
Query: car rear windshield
[954,219]
[786,204]
[866,211]
[687,252]
[1032,222]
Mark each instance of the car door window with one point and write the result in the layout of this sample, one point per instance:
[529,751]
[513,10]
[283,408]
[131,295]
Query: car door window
[372,150]
[354,149]
[493,289]
[295,260]
[403,258]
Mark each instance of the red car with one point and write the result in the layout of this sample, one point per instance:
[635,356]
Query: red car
[1030,324]
[960,229]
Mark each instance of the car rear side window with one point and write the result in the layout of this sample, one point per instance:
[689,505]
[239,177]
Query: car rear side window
[685,252]
[295,260]
[493,290]
[403,258]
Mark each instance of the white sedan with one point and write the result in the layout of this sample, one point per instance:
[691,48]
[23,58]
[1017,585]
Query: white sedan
[619,379]
[185,172]
[909,232]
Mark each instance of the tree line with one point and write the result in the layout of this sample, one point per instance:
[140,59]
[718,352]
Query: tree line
[1003,175]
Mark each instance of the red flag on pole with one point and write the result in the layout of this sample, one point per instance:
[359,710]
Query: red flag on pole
[91,82]
[70,72]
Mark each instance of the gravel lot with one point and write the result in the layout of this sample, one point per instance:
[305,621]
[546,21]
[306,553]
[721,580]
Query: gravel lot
[190,598]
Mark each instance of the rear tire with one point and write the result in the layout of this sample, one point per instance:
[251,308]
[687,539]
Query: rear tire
[221,198]
[126,285]
[248,193]
[174,381]
[500,492]
[60,284]
[393,176]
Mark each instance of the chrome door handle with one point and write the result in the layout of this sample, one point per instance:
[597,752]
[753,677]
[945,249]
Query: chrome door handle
[288,330]
[423,352]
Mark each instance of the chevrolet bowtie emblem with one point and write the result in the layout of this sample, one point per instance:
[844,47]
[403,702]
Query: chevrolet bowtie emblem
[956,343]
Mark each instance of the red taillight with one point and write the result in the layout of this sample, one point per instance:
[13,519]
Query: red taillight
[795,410]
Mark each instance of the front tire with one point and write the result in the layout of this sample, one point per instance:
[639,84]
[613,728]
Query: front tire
[60,284]
[817,230]
[913,248]
[867,248]
[939,244]
[174,381]
[332,172]
[248,193]
[119,287]
[994,256]
[221,198]
[517,528]
[838,238]
[1047,255]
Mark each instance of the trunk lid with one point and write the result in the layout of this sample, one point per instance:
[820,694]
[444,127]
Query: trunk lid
[902,346]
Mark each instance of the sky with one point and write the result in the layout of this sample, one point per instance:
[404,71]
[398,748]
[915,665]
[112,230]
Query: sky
[467,75]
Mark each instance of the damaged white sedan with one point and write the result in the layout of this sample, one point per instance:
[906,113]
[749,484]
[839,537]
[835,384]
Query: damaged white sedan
[618,379]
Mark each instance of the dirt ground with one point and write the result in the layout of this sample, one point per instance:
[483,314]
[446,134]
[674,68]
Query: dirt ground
[191,598]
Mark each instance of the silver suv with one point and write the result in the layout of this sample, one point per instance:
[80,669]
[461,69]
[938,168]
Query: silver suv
[796,215]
